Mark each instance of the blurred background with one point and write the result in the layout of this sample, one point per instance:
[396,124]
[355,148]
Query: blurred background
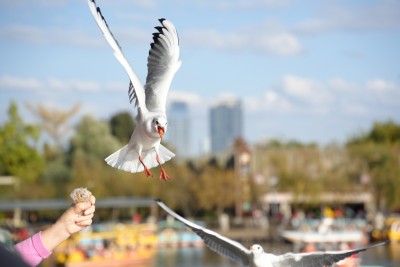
[284,116]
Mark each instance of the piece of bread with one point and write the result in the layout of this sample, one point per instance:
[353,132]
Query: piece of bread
[80,195]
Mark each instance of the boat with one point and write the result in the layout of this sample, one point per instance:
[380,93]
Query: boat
[327,230]
[329,234]
[173,233]
[389,230]
[394,231]
[109,245]
[316,237]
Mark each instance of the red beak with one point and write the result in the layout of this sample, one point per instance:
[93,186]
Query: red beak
[160,131]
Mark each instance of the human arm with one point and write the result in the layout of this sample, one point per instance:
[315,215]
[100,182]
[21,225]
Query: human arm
[34,249]
[73,220]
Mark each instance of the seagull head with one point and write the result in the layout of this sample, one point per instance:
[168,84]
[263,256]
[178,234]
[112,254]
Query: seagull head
[257,249]
[159,124]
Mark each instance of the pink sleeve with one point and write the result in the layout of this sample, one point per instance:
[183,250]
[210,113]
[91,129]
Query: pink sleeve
[32,249]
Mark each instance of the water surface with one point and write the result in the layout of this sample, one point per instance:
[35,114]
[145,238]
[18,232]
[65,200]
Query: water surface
[385,256]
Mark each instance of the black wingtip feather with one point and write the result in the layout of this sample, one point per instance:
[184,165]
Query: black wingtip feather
[159,29]
[156,35]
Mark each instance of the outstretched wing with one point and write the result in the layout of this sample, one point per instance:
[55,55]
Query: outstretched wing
[218,243]
[162,64]
[317,259]
[137,85]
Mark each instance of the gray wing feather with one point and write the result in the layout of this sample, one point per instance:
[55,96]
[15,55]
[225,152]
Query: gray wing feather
[162,63]
[317,259]
[216,242]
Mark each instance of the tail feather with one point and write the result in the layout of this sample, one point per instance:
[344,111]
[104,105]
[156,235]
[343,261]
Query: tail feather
[164,154]
[127,159]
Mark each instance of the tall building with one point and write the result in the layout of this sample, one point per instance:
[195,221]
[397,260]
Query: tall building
[179,128]
[225,124]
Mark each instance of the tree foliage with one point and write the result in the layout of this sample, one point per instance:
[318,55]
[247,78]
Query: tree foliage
[122,126]
[92,141]
[370,161]
[376,155]
[18,142]
[90,145]
[381,132]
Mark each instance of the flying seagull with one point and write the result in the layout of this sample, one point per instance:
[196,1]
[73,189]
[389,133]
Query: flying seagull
[144,150]
[255,256]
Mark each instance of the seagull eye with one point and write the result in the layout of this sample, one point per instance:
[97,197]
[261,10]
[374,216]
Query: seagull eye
[157,122]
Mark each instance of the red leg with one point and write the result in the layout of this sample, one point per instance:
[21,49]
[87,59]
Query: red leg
[163,175]
[146,170]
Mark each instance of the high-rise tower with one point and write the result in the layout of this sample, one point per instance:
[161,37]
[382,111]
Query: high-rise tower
[225,124]
[179,128]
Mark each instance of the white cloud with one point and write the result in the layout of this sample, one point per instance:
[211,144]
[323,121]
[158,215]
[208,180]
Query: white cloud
[187,97]
[271,97]
[306,90]
[279,44]
[271,102]
[355,109]
[384,92]
[22,33]
[270,38]
[292,94]
[67,37]
[342,86]
[380,85]
[9,83]
[48,36]
[295,94]
[86,86]
[340,15]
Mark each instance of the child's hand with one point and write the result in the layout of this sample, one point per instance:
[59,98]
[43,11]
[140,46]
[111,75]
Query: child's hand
[74,219]
[78,216]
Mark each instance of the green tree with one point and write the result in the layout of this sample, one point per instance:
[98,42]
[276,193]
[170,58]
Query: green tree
[214,188]
[122,126]
[376,154]
[381,132]
[92,141]
[18,148]
[90,145]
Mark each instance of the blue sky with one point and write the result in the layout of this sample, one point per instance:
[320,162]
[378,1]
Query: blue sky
[315,71]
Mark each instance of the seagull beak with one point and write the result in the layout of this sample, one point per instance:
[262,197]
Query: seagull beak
[160,131]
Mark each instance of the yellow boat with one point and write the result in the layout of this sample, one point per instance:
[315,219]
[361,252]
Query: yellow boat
[391,230]
[115,245]
[394,231]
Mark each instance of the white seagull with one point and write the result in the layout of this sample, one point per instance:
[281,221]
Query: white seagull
[255,256]
[144,150]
